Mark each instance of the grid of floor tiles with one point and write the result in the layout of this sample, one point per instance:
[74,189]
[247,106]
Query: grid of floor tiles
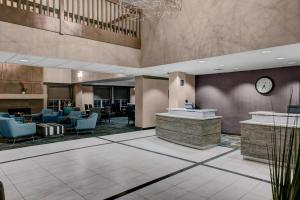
[134,165]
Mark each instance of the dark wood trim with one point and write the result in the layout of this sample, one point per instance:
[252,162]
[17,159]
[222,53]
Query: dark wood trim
[59,25]
[61,15]
[25,18]
[79,30]
[154,77]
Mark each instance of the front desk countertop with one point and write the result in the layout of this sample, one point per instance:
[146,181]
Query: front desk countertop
[273,119]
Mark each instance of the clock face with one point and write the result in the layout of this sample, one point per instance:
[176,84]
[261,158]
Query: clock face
[264,85]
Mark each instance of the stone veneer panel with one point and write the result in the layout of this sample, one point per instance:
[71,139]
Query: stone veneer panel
[256,139]
[190,132]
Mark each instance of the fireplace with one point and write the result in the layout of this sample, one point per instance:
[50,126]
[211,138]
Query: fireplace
[19,111]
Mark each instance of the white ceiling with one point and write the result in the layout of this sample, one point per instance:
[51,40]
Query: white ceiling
[282,56]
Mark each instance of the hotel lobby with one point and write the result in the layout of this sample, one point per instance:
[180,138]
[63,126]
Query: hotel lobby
[149,100]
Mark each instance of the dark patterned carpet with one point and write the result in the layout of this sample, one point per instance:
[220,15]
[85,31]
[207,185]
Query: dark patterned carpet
[117,125]
[231,141]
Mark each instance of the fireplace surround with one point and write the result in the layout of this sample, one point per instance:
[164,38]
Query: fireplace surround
[19,111]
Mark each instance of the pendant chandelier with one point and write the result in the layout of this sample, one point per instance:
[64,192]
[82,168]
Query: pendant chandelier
[151,9]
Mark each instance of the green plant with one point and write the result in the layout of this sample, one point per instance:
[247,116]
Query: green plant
[284,162]
[2,196]
[23,89]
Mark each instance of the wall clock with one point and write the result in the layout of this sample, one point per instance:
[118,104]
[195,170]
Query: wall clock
[264,85]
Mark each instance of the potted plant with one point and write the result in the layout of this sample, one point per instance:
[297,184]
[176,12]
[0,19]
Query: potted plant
[2,196]
[284,162]
[23,89]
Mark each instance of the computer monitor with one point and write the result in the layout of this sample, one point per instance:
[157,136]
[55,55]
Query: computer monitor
[188,106]
[294,109]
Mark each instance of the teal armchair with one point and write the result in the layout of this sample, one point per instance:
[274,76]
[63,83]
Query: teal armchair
[18,119]
[53,117]
[70,119]
[5,115]
[38,117]
[10,128]
[86,124]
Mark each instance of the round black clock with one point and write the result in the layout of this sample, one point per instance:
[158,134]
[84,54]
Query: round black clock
[264,85]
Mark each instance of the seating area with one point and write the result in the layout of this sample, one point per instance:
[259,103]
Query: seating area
[14,127]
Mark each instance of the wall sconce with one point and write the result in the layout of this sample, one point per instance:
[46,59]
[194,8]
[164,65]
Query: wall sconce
[79,74]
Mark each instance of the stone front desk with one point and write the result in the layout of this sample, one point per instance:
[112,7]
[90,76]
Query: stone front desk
[199,129]
[256,133]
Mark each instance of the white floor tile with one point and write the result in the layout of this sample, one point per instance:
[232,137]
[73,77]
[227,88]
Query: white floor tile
[100,172]
[235,162]
[162,146]
[130,135]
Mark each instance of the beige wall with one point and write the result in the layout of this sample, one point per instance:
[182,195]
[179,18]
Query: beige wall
[151,97]
[55,75]
[77,92]
[208,28]
[132,95]
[83,95]
[68,76]
[87,95]
[25,40]
[177,93]
[92,76]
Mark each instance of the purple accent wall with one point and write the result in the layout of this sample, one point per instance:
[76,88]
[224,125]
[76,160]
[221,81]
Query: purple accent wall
[234,94]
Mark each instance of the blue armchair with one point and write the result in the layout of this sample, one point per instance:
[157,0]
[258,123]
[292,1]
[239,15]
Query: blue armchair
[70,119]
[7,115]
[10,128]
[86,125]
[38,117]
[53,117]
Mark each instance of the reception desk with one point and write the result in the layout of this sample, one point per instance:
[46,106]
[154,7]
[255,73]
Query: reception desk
[194,128]
[256,132]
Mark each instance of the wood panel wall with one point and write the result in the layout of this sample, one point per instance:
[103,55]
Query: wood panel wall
[11,75]
[36,105]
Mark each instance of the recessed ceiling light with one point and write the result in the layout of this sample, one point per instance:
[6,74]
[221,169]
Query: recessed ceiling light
[24,60]
[201,61]
[218,69]
[236,68]
[291,63]
[221,65]
[266,52]
[280,58]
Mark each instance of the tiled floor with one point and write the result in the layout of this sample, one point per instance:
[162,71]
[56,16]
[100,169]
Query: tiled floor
[134,165]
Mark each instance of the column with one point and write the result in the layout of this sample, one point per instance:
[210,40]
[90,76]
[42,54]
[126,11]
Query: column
[181,87]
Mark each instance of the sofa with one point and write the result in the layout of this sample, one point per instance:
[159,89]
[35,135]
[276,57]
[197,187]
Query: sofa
[86,124]
[11,129]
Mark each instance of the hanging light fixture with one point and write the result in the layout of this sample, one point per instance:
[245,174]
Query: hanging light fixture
[151,9]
